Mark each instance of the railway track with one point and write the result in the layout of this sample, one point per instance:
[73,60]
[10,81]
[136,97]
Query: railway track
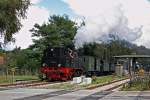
[41,84]
[105,90]
[26,84]
[100,85]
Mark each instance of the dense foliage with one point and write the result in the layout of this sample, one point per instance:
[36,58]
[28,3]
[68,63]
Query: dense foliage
[11,11]
[24,61]
[107,49]
[59,31]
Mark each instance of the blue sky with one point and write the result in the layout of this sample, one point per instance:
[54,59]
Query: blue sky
[57,7]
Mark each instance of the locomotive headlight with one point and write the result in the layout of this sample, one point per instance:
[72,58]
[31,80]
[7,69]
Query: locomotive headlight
[43,64]
[52,49]
[59,65]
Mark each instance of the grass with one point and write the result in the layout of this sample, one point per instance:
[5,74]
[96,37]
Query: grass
[106,79]
[64,86]
[3,79]
[26,77]
[97,81]
[137,86]
[8,79]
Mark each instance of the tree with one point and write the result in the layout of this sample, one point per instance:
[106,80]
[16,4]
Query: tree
[25,61]
[94,49]
[11,11]
[106,50]
[59,31]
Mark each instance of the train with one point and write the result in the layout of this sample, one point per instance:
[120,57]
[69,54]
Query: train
[60,63]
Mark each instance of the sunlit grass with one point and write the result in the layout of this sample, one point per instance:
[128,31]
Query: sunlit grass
[97,81]
[26,77]
[9,78]
[137,86]
[4,79]
[106,79]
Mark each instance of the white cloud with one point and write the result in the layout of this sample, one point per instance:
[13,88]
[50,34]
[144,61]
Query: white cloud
[35,14]
[121,17]
[35,1]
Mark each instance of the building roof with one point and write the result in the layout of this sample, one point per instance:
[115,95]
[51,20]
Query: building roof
[133,56]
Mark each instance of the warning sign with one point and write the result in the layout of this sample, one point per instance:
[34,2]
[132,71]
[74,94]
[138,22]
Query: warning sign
[141,72]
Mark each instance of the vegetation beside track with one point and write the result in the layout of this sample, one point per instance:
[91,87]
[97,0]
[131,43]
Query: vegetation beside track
[97,81]
[8,79]
[106,79]
[143,85]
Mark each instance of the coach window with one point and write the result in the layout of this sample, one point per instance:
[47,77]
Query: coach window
[84,59]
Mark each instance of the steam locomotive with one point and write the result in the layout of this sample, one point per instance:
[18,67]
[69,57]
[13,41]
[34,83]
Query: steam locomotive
[63,64]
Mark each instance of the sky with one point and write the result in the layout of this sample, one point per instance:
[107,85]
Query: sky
[128,19]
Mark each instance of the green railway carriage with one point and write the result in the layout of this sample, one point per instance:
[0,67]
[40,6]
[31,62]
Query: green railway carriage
[96,66]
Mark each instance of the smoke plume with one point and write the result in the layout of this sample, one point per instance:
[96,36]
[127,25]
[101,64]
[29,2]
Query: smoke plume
[125,19]
[99,28]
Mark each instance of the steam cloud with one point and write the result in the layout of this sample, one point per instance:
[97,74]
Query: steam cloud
[126,19]
[98,28]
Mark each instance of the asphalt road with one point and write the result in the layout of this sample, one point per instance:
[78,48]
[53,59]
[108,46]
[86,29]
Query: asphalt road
[54,94]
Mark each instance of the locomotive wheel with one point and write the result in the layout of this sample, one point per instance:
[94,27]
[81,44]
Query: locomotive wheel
[69,77]
[42,76]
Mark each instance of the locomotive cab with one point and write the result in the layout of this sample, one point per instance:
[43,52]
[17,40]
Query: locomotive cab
[54,57]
